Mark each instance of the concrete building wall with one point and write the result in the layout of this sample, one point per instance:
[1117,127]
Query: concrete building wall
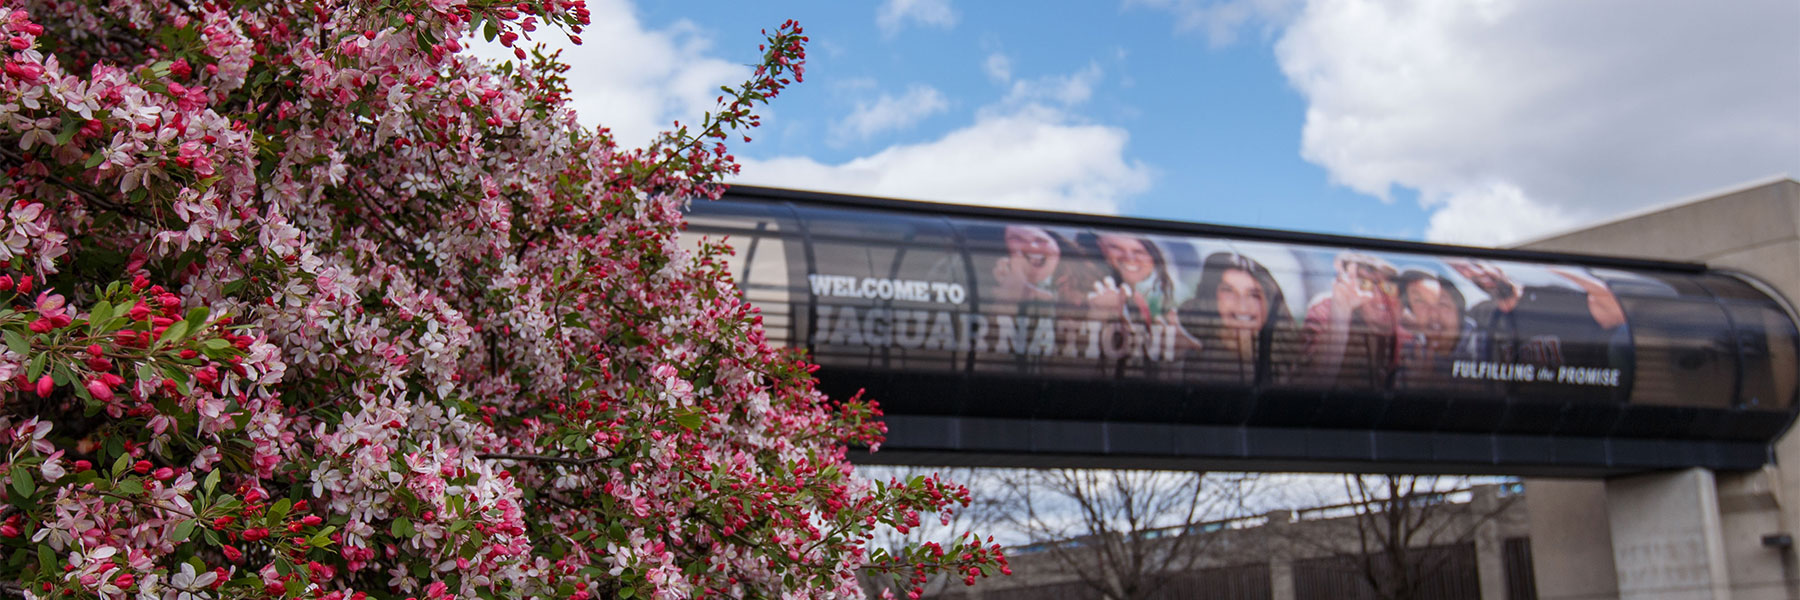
[1571,539]
[1755,230]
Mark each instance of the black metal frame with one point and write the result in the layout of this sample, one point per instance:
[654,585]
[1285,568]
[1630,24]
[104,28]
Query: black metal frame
[1209,230]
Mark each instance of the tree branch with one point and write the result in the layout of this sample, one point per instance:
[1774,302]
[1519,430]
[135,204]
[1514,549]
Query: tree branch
[561,460]
[93,196]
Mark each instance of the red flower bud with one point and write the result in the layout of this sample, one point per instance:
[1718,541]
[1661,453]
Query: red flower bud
[99,390]
[6,283]
[25,284]
[125,581]
[141,467]
[8,530]
[251,535]
[82,465]
[163,474]
[45,385]
[311,520]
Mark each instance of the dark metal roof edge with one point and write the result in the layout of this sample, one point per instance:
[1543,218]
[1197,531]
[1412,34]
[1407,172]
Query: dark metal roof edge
[1231,231]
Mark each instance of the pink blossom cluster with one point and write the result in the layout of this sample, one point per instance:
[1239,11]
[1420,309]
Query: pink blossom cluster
[302,300]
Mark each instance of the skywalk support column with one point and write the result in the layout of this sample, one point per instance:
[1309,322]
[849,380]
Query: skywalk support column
[1571,539]
[1666,536]
[1281,555]
[1490,555]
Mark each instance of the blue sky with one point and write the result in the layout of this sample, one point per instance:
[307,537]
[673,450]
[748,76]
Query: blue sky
[1471,122]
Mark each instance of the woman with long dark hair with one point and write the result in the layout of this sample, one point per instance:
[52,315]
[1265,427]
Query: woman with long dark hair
[1237,311]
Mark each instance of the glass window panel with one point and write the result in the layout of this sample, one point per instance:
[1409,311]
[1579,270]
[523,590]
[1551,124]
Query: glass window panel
[1034,283]
[1766,343]
[1686,354]
[888,291]
[1638,283]
[1238,318]
[1732,288]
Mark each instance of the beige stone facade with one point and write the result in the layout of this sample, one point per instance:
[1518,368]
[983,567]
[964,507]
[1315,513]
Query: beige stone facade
[1691,534]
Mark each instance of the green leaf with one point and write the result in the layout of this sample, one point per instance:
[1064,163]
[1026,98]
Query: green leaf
[217,344]
[23,482]
[197,316]
[323,537]
[46,560]
[36,369]
[173,334]
[123,311]
[147,373]
[212,481]
[16,342]
[455,503]
[182,531]
[490,30]
[628,592]
[68,132]
[129,487]
[689,420]
[402,528]
[98,317]
[279,510]
[94,160]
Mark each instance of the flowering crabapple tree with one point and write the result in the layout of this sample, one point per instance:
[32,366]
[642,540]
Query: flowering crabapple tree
[299,299]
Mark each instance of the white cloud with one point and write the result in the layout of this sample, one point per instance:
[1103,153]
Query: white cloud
[634,80]
[1493,215]
[1031,157]
[1067,90]
[1027,150]
[1220,21]
[998,67]
[894,14]
[1514,118]
[890,113]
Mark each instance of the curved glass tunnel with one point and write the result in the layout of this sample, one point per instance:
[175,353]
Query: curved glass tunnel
[999,337]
